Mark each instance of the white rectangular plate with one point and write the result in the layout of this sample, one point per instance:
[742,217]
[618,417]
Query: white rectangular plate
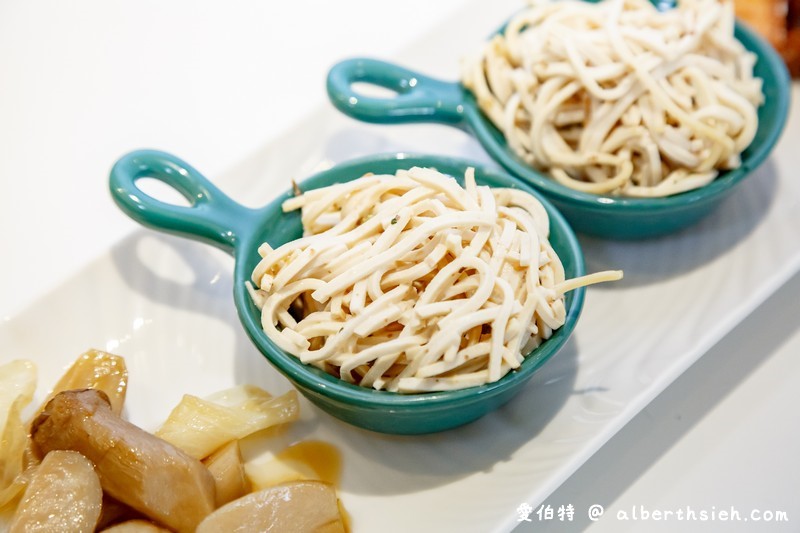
[165,305]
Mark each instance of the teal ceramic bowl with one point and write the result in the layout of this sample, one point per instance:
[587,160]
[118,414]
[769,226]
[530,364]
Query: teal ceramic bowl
[424,99]
[216,219]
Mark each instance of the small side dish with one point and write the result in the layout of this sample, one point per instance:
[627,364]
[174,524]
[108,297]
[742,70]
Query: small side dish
[412,283]
[213,217]
[617,97]
[80,466]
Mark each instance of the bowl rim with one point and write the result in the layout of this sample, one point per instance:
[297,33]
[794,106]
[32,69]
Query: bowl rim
[493,141]
[311,380]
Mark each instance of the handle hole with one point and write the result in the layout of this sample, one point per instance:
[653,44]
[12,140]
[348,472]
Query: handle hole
[371,90]
[158,190]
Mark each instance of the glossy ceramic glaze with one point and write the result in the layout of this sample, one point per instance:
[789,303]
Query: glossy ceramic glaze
[214,218]
[424,99]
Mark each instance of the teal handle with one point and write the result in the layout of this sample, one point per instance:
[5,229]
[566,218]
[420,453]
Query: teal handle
[211,217]
[419,98]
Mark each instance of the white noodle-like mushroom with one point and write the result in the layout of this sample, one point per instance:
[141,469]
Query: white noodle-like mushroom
[618,98]
[413,283]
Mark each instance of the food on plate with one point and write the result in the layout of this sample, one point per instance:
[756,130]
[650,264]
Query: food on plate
[226,466]
[134,466]
[618,98]
[94,369]
[17,385]
[64,494]
[767,17]
[305,460]
[411,282]
[779,22]
[295,506]
[135,526]
[95,471]
[98,370]
[115,512]
[199,426]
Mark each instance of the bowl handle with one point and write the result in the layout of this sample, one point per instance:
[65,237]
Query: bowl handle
[211,217]
[419,98]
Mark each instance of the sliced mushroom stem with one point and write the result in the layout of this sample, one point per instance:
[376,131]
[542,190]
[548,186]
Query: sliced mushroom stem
[135,467]
[295,506]
[64,495]
[227,467]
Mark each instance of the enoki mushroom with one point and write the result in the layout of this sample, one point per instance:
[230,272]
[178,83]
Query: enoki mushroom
[412,283]
[618,98]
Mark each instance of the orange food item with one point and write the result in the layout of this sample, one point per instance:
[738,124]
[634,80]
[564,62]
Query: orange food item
[779,22]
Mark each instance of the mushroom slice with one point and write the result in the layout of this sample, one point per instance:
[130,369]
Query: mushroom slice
[227,467]
[96,370]
[299,506]
[137,468]
[135,526]
[64,494]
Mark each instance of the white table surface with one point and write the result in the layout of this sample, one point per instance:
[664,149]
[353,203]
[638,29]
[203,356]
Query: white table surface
[81,84]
